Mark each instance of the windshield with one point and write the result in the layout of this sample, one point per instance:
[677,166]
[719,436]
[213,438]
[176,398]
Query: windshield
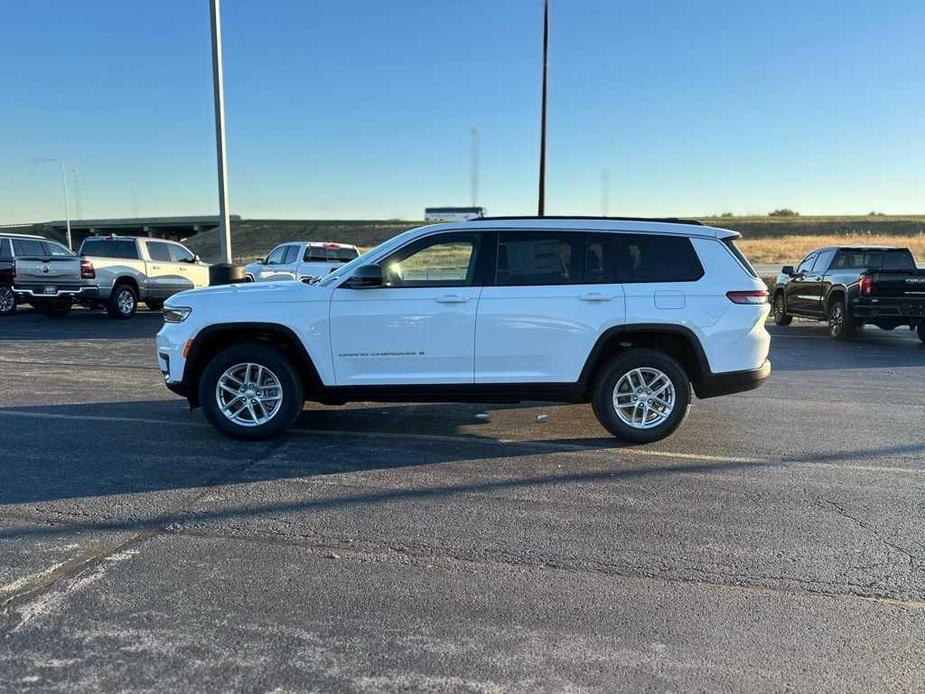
[364,258]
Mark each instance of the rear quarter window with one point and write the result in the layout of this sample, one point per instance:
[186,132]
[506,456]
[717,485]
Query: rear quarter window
[635,258]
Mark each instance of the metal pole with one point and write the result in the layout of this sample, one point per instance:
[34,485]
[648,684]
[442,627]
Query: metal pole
[218,85]
[78,207]
[541,206]
[474,168]
[67,213]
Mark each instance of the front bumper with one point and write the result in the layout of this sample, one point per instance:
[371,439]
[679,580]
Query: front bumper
[715,384]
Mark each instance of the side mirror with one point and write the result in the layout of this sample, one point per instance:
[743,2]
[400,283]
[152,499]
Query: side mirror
[365,277]
[196,259]
[788,270]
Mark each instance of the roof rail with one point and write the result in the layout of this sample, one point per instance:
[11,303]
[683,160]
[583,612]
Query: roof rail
[666,220]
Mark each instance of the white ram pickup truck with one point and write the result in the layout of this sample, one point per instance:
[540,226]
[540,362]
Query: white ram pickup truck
[130,269]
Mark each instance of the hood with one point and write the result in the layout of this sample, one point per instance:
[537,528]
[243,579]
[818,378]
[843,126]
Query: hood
[251,292]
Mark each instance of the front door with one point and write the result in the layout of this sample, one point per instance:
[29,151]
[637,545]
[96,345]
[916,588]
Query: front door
[419,327]
[799,298]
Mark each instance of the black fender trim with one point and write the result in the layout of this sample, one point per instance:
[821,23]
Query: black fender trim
[195,359]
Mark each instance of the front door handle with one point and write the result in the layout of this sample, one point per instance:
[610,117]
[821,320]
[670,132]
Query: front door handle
[155,267]
[595,296]
[451,299]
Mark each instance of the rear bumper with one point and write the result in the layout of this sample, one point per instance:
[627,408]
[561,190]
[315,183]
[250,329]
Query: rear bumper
[716,384]
[912,310]
[28,293]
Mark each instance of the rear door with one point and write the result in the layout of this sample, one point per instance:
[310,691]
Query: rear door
[163,278]
[552,295]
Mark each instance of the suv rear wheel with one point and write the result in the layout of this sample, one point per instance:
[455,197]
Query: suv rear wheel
[642,395]
[251,391]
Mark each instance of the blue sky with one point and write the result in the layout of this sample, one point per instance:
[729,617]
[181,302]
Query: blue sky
[363,109]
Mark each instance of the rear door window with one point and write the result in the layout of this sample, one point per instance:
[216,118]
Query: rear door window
[158,251]
[540,257]
[292,254]
[632,258]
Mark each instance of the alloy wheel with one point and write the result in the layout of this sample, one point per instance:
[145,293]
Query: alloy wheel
[644,398]
[249,394]
[7,300]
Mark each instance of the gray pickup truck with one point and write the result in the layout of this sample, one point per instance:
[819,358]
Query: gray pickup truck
[130,269]
[43,273]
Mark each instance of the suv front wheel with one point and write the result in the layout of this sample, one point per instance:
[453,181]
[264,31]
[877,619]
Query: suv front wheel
[251,391]
[642,395]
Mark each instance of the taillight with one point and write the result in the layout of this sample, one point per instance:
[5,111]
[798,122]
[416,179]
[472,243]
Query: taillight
[757,296]
[86,270]
[866,285]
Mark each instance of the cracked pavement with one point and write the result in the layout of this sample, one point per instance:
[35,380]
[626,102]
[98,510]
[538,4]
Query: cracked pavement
[774,543]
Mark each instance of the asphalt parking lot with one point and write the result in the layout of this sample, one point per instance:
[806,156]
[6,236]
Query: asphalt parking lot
[774,543]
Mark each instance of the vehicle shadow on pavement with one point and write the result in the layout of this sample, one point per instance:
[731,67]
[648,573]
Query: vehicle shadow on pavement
[81,452]
[26,325]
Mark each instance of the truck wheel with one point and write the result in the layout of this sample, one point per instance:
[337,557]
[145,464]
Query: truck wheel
[251,391]
[154,304]
[780,313]
[641,395]
[123,302]
[922,331]
[841,325]
[7,300]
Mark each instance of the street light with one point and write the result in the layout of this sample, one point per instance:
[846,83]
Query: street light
[541,202]
[67,214]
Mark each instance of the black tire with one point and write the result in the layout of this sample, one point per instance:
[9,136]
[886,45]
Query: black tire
[7,300]
[921,331]
[283,417]
[780,313]
[53,309]
[126,309]
[154,304]
[609,376]
[841,325]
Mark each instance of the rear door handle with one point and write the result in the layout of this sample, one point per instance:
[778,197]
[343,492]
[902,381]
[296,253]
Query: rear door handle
[595,296]
[451,299]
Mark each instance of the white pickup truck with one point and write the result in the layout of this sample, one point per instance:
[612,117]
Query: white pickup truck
[130,269]
[305,261]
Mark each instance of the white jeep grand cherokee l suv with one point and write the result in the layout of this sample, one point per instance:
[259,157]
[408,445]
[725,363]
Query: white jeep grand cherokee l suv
[629,315]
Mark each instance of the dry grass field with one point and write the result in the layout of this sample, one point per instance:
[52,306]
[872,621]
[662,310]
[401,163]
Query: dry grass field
[791,249]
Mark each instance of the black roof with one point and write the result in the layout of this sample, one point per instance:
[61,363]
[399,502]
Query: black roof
[667,220]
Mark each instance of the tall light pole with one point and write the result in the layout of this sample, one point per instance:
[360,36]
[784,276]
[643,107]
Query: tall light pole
[78,207]
[218,88]
[474,168]
[67,214]
[541,204]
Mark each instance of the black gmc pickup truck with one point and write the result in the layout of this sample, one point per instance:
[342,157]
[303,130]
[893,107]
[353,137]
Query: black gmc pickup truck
[850,286]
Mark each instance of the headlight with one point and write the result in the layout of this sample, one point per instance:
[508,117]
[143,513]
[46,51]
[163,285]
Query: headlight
[176,314]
